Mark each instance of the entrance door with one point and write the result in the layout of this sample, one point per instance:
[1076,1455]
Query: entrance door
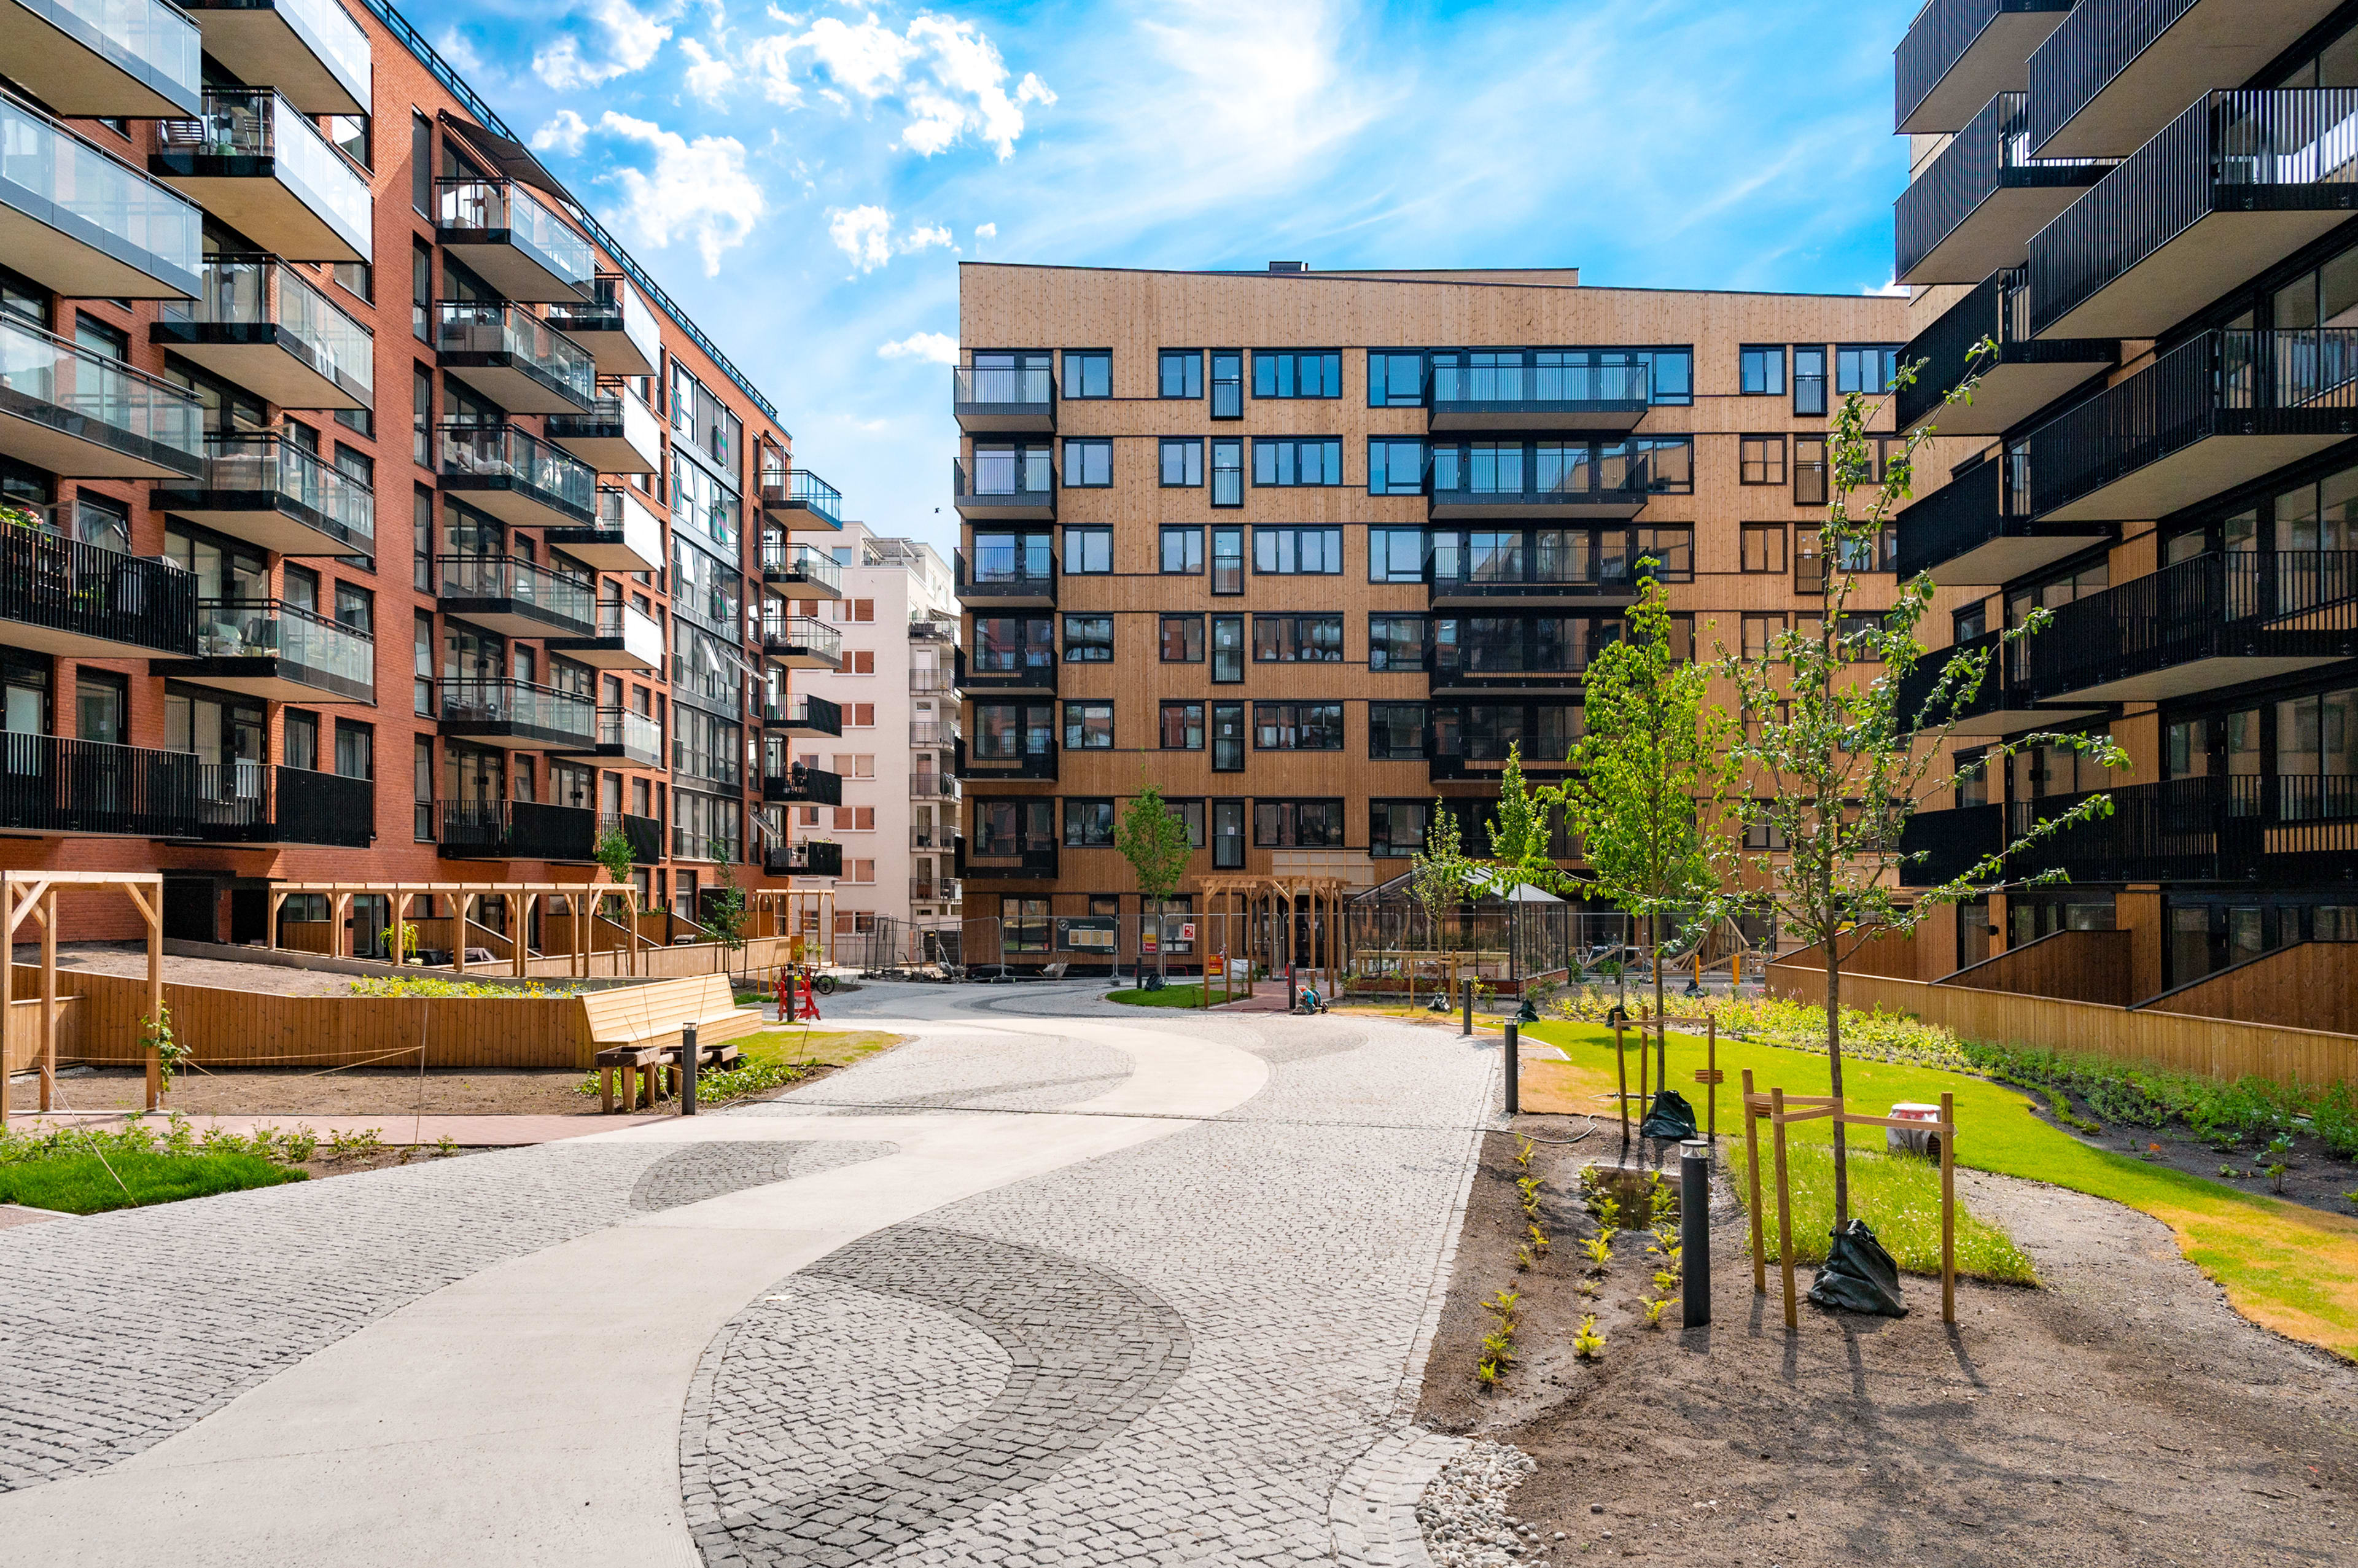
[191,907]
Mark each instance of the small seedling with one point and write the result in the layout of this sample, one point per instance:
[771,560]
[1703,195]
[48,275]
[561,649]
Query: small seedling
[1588,1345]
[1503,1302]
[1523,1152]
[1486,1374]
[1600,1250]
[1664,1278]
[2276,1175]
[1654,1312]
[2351,1198]
[1588,1289]
[1661,1202]
[445,1146]
[1538,1242]
[2226,1170]
[1499,1347]
[1522,1260]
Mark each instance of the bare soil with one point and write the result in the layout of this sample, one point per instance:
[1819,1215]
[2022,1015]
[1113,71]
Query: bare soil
[2315,1177]
[2123,1414]
[131,958]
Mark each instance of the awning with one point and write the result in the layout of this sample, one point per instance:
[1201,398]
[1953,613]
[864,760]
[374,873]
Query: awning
[511,158]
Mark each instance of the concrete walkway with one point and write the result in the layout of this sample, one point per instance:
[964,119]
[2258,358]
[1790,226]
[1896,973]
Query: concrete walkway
[1053,1283]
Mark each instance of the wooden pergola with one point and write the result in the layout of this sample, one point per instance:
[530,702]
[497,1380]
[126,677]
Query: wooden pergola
[1280,897]
[520,901]
[785,907]
[34,894]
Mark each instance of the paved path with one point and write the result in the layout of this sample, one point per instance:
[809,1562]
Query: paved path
[1057,1282]
[468,1131]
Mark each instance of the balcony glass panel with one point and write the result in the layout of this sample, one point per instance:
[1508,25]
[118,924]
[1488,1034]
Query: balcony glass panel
[635,733]
[1544,375]
[519,703]
[485,205]
[45,368]
[503,451]
[268,628]
[254,122]
[780,555]
[494,327]
[147,39]
[253,290]
[334,36]
[505,577]
[266,464]
[803,631]
[40,160]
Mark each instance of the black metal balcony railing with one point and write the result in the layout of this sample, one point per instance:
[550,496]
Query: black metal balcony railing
[1997,310]
[933,629]
[1508,563]
[1990,155]
[1974,508]
[645,833]
[1024,569]
[1003,388]
[800,785]
[50,784]
[2121,51]
[2290,604]
[1952,842]
[84,590]
[1024,855]
[1036,760]
[517,830]
[809,858]
[1607,478]
[932,889]
[2234,828]
[801,712]
[938,786]
[2282,151]
[1939,39]
[1006,476]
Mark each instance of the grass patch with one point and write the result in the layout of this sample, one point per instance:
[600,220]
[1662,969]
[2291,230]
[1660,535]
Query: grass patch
[390,986]
[2291,1268]
[76,1180]
[1900,1197]
[1176,994]
[777,1057]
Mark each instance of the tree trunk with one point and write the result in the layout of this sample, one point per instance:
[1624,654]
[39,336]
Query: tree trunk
[1161,929]
[1833,1065]
[1661,1011]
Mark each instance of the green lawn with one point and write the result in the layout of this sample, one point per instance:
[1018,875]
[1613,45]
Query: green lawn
[829,1047]
[127,1178]
[1901,1198]
[1177,993]
[2292,1268]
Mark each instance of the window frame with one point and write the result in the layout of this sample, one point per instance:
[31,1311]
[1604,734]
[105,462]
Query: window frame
[1189,535]
[1184,620]
[1086,356]
[1749,356]
[1285,543]
[1087,448]
[1185,448]
[1285,369]
[1068,819]
[1164,360]
[1084,535]
[1183,707]
[1753,459]
[1749,532]
[1079,711]
[1091,648]
[1810,404]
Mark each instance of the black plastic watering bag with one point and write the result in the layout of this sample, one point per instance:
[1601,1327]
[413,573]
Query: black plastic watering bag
[1858,1275]
[1670,1116]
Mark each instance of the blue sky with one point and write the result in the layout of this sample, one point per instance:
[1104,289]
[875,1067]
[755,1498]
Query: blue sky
[805,180]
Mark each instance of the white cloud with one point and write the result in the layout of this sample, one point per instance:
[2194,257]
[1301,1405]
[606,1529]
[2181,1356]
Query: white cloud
[697,190]
[944,73]
[565,131]
[865,234]
[918,239]
[628,40]
[706,76]
[937,347]
[454,46]
[1893,290]
[985,230]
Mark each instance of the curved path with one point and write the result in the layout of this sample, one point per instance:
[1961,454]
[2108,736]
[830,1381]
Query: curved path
[1056,1283]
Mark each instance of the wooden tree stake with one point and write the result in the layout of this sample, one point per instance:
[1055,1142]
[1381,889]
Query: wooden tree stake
[1752,1161]
[1784,1209]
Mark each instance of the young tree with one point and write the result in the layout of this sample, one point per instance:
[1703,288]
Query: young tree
[1651,796]
[1521,833]
[724,912]
[1839,767]
[1153,839]
[1437,880]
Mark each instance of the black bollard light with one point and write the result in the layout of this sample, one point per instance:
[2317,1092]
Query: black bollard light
[1695,1231]
[1469,1009]
[687,1054]
[1514,1071]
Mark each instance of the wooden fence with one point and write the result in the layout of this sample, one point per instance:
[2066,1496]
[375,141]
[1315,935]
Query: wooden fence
[2071,966]
[2314,983]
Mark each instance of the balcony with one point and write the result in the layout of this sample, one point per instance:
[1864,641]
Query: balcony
[2213,621]
[2217,412]
[1038,759]
[1557,479]
[801,500]
[931,682]
[800,785]
[62,597]
[515,598]
[78,220]
[2027,373]
[616,435]
[256,163]
[516,476]
[2233,186]
[645,834]
[1974,210]
[787,565]
[1959,53]
[1978,528]
[1538,389]
[1004,399]
[272,493]
[512,240]
[625,538]
[513,358]
[279,651]
[1010,485]
[1022,667]
[625,639]
[931,732]
[810,858]
[934,890]
[517,830]
[1538,565]
[1021,572]
[2117,71]
[632,738]
[1999,705]
[1019,857]
[937,785]
[84,788]
[933,629]
[801,714]
[263,326]
[87,58]
[802,642]
[81,413]
[1952,841]
[614,324]
[2245,828]
[514,715]
[311,50]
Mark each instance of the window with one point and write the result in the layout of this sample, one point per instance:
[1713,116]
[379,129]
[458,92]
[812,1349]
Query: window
[1089,639]
[1182,462]
[1673,550]
[1297,463]
[1180,373]
[1396,829]
[1227,473]
[1227,649]
[1227,560]
[1809,471]
[1005,731]
[1396,733]
[300,749]
[1809,379]
[1014,645]
[1762,459]
[1764,548]
[1762,370]
[421,164]
[1183,639]
[1286,373]
[1396,641]
[1298,726]
[421,294]
[1183,552]
[1761,831]
[1089,727]
[1228,386]
[1088,824]
[1395,555]
[1228,738]
[1292,551]
[1395,380]
[1088,550]
[1228,835]
[421,417]
[2317,755]
[1298,824]
[1866,368]
[356,748]
[1088,373]
[1182,726]
[421,785]
[1088,465]
[1297,639]
[1760,632]
[1395,468]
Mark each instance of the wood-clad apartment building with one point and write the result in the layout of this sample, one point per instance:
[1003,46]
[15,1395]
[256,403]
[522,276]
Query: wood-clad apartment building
[1311,549]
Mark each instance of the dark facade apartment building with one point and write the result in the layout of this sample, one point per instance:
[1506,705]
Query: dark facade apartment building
[372,514]
[2152,208]
[1313,549]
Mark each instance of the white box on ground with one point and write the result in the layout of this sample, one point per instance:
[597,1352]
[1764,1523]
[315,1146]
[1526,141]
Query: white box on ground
[1908,1140]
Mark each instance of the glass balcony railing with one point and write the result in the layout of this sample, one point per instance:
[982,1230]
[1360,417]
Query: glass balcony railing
[116,406]
[799,490]
[636,735]
[518,705]
[265,464]
[569,602]
[62,181]
[531,344]
[804,633]
[1546,376]
[152,42]
[256,123]
[497,210]
[612,308]
[250,290]
[309,647]
[324,27]
[783,559]
[507,452]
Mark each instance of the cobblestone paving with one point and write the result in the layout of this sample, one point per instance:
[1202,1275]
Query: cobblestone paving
[701,1170]
[985,1070]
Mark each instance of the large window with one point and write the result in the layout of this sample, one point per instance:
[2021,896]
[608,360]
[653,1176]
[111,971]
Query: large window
[1089,727]
[1298,824]
[1014,645]
[1182,726]
[1396,641]
[1671,550]
[1183,551]
[1088,373]
[1396,829]
[1395,378]
[1227,560]
[1179,373]
[1809,379]
[1661,464]
[1088,464]
[1089,639]
[1183,639]
[1395,555]
[1088,824]
[1762,370]
[1227,737]
[1761,460]
[1227,649]
[1087,550]
[1865,368]
[1024,923]
[1297,639]
[1297,726]
[1395,731]
[1291,460]
[1010,828]
[1006,731]
[1395,467]
[1809,471]
[1291,373]
[1764,548]
[1288,551]
[1182,460]
[2317,755]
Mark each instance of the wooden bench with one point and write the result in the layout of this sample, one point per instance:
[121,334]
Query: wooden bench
[634,1029]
